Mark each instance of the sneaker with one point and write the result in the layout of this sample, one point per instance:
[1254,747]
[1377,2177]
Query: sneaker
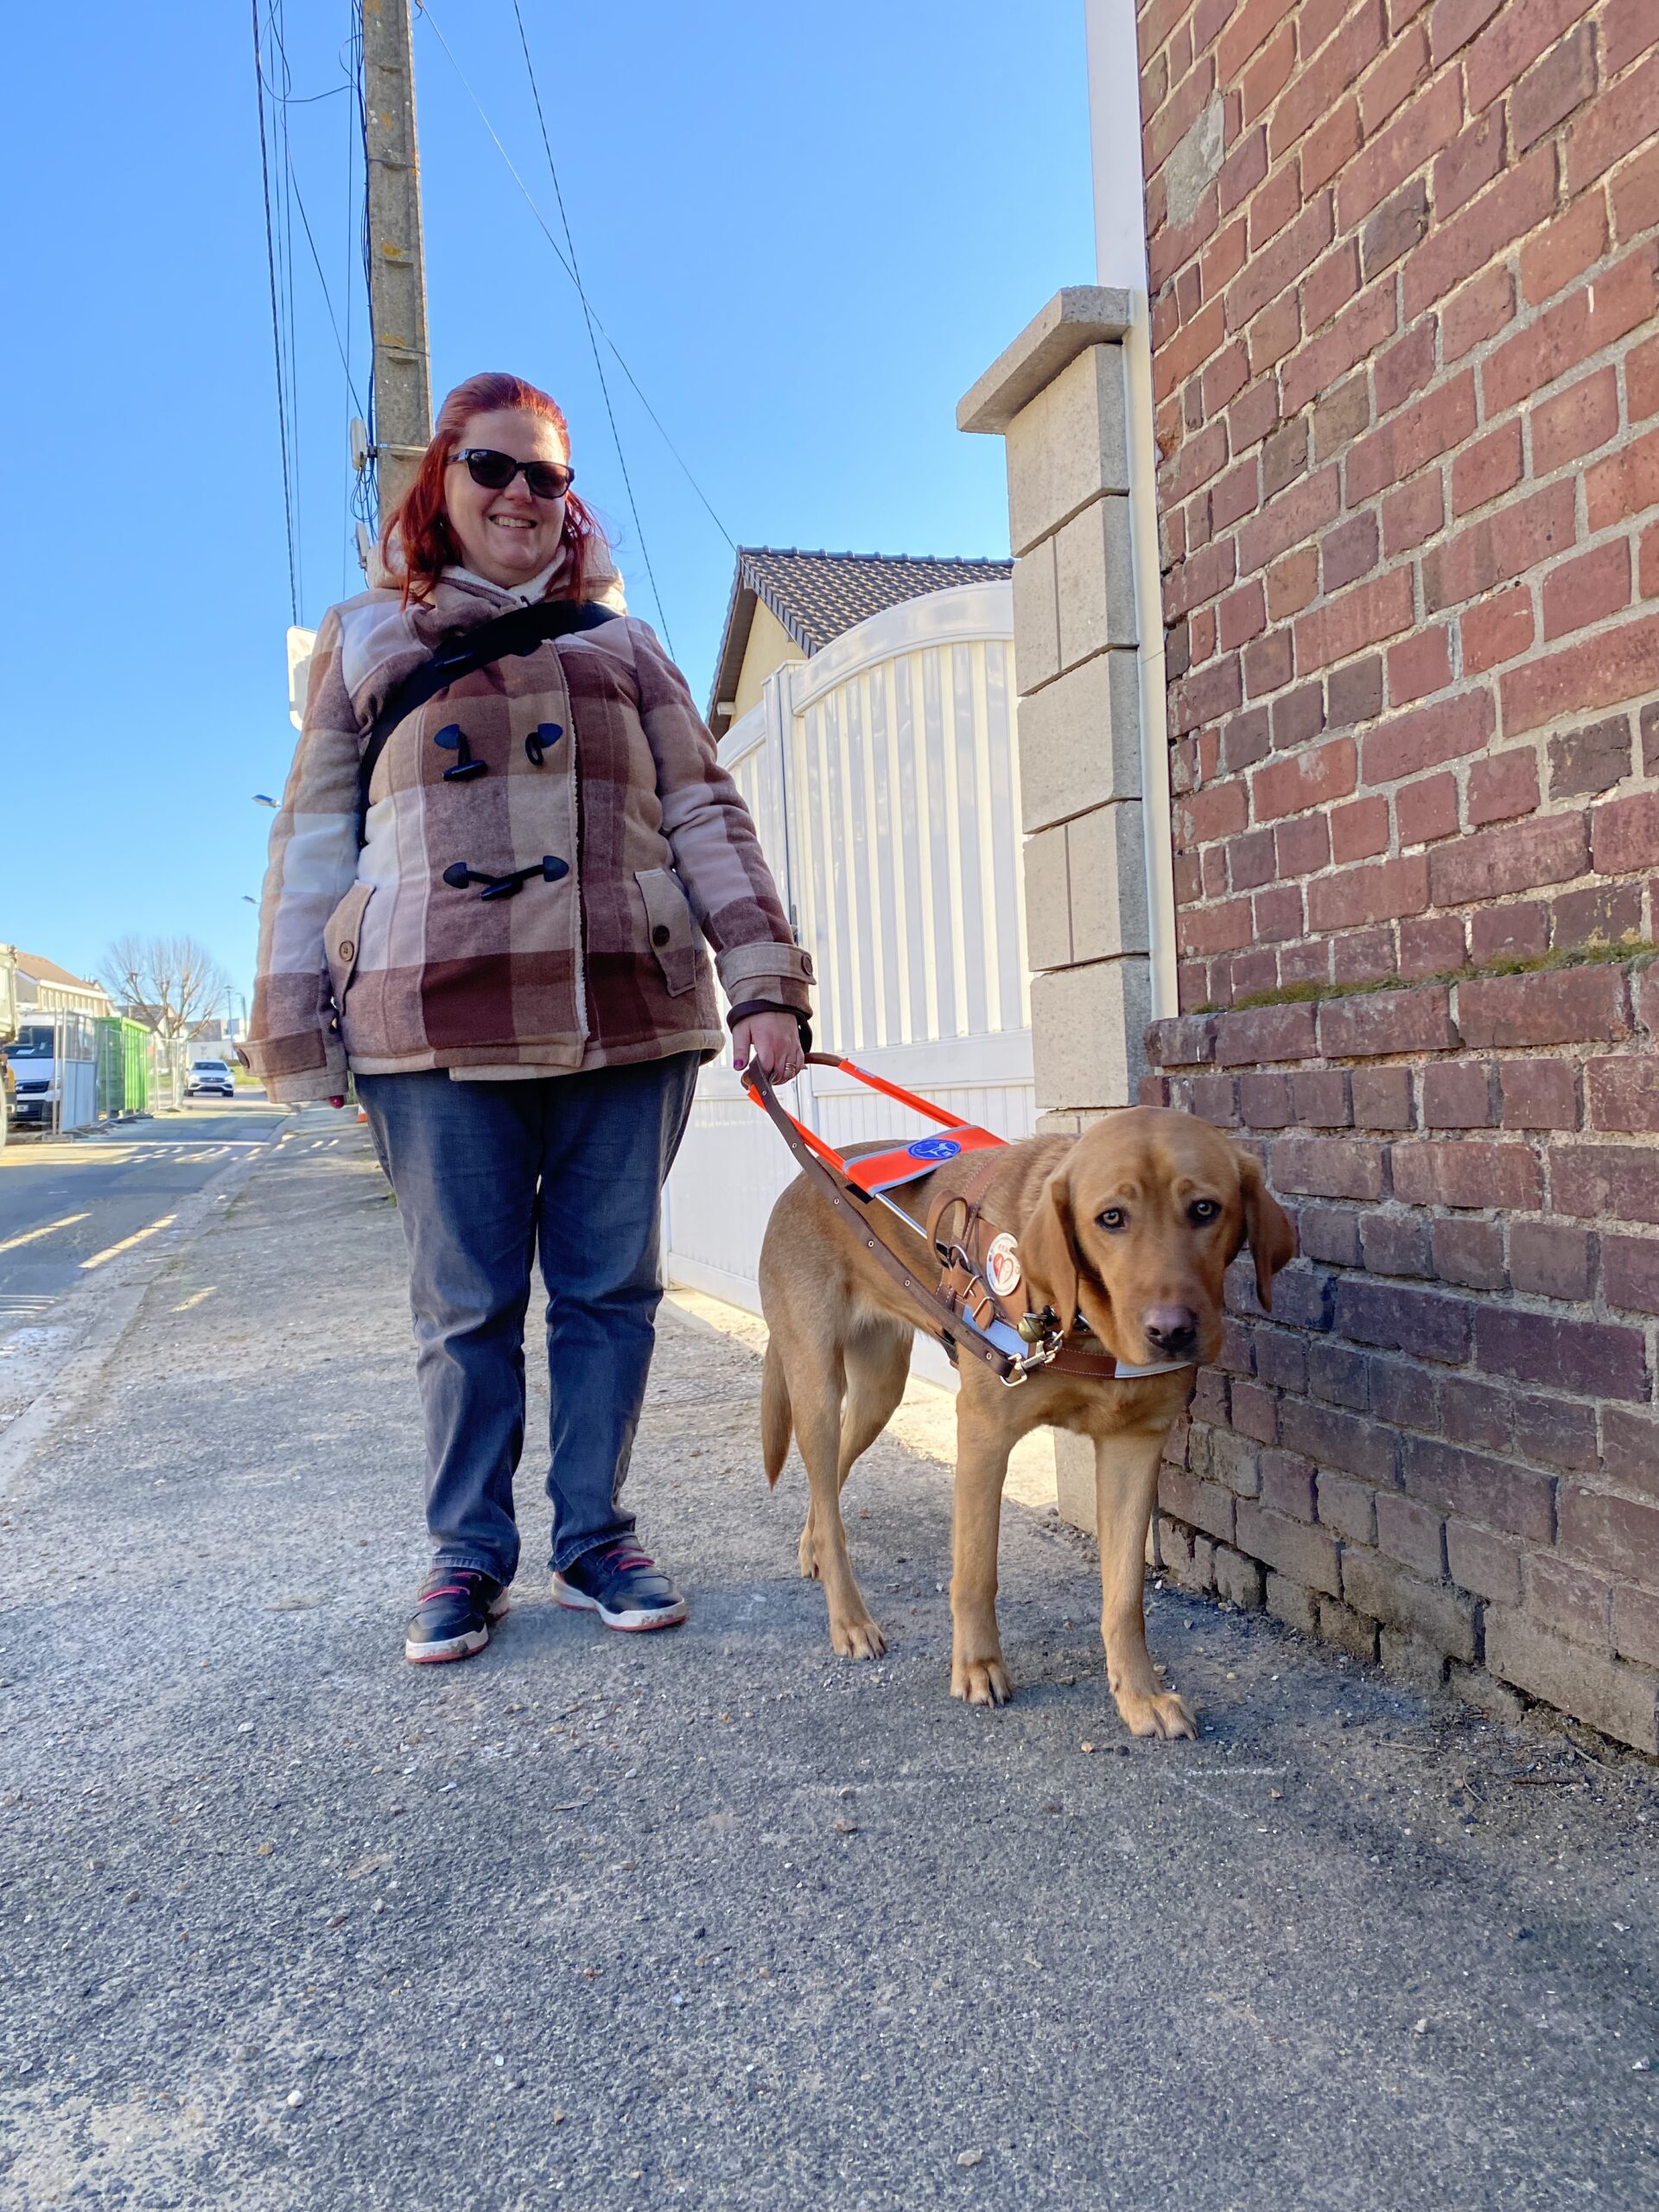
[624,1588]
[453,1618]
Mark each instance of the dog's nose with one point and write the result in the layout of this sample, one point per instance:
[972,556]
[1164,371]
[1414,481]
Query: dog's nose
[1172,1329]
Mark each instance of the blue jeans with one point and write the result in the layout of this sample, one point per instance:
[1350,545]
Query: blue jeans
[487,1174]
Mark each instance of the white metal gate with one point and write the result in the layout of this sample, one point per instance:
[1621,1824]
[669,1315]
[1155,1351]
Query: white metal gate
[883,777]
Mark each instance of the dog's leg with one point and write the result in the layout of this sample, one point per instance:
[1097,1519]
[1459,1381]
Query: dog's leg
[878,1367]
[817,1431]
[977,1672]
[1126,1489]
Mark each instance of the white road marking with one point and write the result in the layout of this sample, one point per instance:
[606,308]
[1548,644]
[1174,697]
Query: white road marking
[116,1153]
[127,1243]
[29,1235]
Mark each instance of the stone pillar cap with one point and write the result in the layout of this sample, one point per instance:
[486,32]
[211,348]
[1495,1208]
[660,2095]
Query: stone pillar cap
[1080,316]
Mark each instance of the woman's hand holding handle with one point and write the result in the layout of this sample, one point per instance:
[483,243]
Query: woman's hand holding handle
[773,1041]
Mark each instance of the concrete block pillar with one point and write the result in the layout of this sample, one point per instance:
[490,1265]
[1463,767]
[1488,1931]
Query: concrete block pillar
[1060,396]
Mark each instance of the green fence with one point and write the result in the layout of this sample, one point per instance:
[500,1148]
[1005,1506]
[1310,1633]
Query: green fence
[122,1067]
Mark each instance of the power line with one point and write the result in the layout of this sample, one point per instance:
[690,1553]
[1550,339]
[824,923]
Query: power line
[306,100]
[305,220]
[587,317]
[285,264]
[352,46]
[365,495]
[276,85]
[275,327]
[530,200]
[328,300]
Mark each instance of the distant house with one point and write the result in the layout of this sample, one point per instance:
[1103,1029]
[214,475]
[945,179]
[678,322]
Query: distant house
[43,987]
[787,606]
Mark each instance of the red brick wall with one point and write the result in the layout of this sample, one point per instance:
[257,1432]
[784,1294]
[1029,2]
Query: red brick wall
[1404,260]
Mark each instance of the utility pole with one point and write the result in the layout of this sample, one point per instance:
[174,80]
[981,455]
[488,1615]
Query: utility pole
[403,379]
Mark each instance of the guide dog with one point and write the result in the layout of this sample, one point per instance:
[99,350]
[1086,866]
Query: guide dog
[1128,1228]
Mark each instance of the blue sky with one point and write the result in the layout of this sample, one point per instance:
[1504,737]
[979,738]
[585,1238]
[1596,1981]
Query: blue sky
[808,227]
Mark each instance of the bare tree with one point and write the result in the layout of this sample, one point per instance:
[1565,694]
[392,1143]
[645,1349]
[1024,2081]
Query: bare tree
[172,984]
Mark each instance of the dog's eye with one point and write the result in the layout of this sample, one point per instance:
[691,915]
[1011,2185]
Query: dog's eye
[1203,1209]
[1114,1218]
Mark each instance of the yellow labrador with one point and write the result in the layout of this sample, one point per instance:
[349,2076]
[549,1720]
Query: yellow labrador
[1131,1226]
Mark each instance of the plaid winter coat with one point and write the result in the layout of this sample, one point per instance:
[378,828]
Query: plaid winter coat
[599,779]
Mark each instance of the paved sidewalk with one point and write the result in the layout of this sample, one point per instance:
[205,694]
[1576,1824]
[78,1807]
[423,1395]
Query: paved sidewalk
[712,1919]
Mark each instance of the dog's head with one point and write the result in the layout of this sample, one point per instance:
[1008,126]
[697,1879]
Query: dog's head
[1136,1228]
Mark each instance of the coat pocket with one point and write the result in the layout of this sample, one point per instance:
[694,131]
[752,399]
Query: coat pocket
[341,936]
[670,927]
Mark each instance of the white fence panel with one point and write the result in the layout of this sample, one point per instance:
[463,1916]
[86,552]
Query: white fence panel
[884,780]
[731,1168]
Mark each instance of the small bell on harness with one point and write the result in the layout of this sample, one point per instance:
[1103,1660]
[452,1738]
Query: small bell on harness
[1034,1327]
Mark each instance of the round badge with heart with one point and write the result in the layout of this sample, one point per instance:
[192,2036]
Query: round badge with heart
[1002,1265]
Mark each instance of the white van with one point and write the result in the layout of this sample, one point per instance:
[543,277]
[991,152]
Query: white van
[30,1056]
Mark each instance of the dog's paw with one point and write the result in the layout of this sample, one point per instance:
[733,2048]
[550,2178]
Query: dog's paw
[860,1639]
[807,1553]
[980,1681]
[1163,1715]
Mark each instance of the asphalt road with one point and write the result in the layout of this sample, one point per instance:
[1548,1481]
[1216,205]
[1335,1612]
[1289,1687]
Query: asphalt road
[66,1202]
[713,1918]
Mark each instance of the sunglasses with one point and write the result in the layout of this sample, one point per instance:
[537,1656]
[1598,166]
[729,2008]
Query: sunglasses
[547,480]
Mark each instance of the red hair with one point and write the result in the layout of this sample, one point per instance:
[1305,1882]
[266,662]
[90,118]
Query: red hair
[416,542]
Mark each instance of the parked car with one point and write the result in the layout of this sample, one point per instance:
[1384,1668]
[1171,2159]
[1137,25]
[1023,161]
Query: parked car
[210,1078]
[33,1074]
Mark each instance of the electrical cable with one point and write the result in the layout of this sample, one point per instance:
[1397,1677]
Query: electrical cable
[588,316]
[365,496]
[285,260]
[346,547]
[276,327]
[530,200]
[305,99]
[275,84]
[305,220]
[327,301]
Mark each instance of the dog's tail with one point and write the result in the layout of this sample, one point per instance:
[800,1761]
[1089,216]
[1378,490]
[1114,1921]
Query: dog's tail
[777,1417]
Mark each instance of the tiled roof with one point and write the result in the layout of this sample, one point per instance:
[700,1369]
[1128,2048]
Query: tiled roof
[817,597]
[48,971]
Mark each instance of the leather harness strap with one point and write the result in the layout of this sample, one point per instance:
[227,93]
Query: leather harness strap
[963,1286]
[504,637]
[969,1279]
[939,1319]
[964,1293]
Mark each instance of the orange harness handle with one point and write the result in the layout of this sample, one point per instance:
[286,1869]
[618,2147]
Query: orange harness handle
[816,1145]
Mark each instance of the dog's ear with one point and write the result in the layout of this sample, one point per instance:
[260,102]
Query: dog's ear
[1048,1251]
[1269,1230]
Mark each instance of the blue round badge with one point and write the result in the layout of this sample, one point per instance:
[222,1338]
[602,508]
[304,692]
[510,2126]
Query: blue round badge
[933,1148]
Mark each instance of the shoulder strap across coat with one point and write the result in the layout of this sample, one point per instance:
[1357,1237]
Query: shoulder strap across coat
[501,638]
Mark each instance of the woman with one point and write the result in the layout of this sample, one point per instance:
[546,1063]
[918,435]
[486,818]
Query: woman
[510,965]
